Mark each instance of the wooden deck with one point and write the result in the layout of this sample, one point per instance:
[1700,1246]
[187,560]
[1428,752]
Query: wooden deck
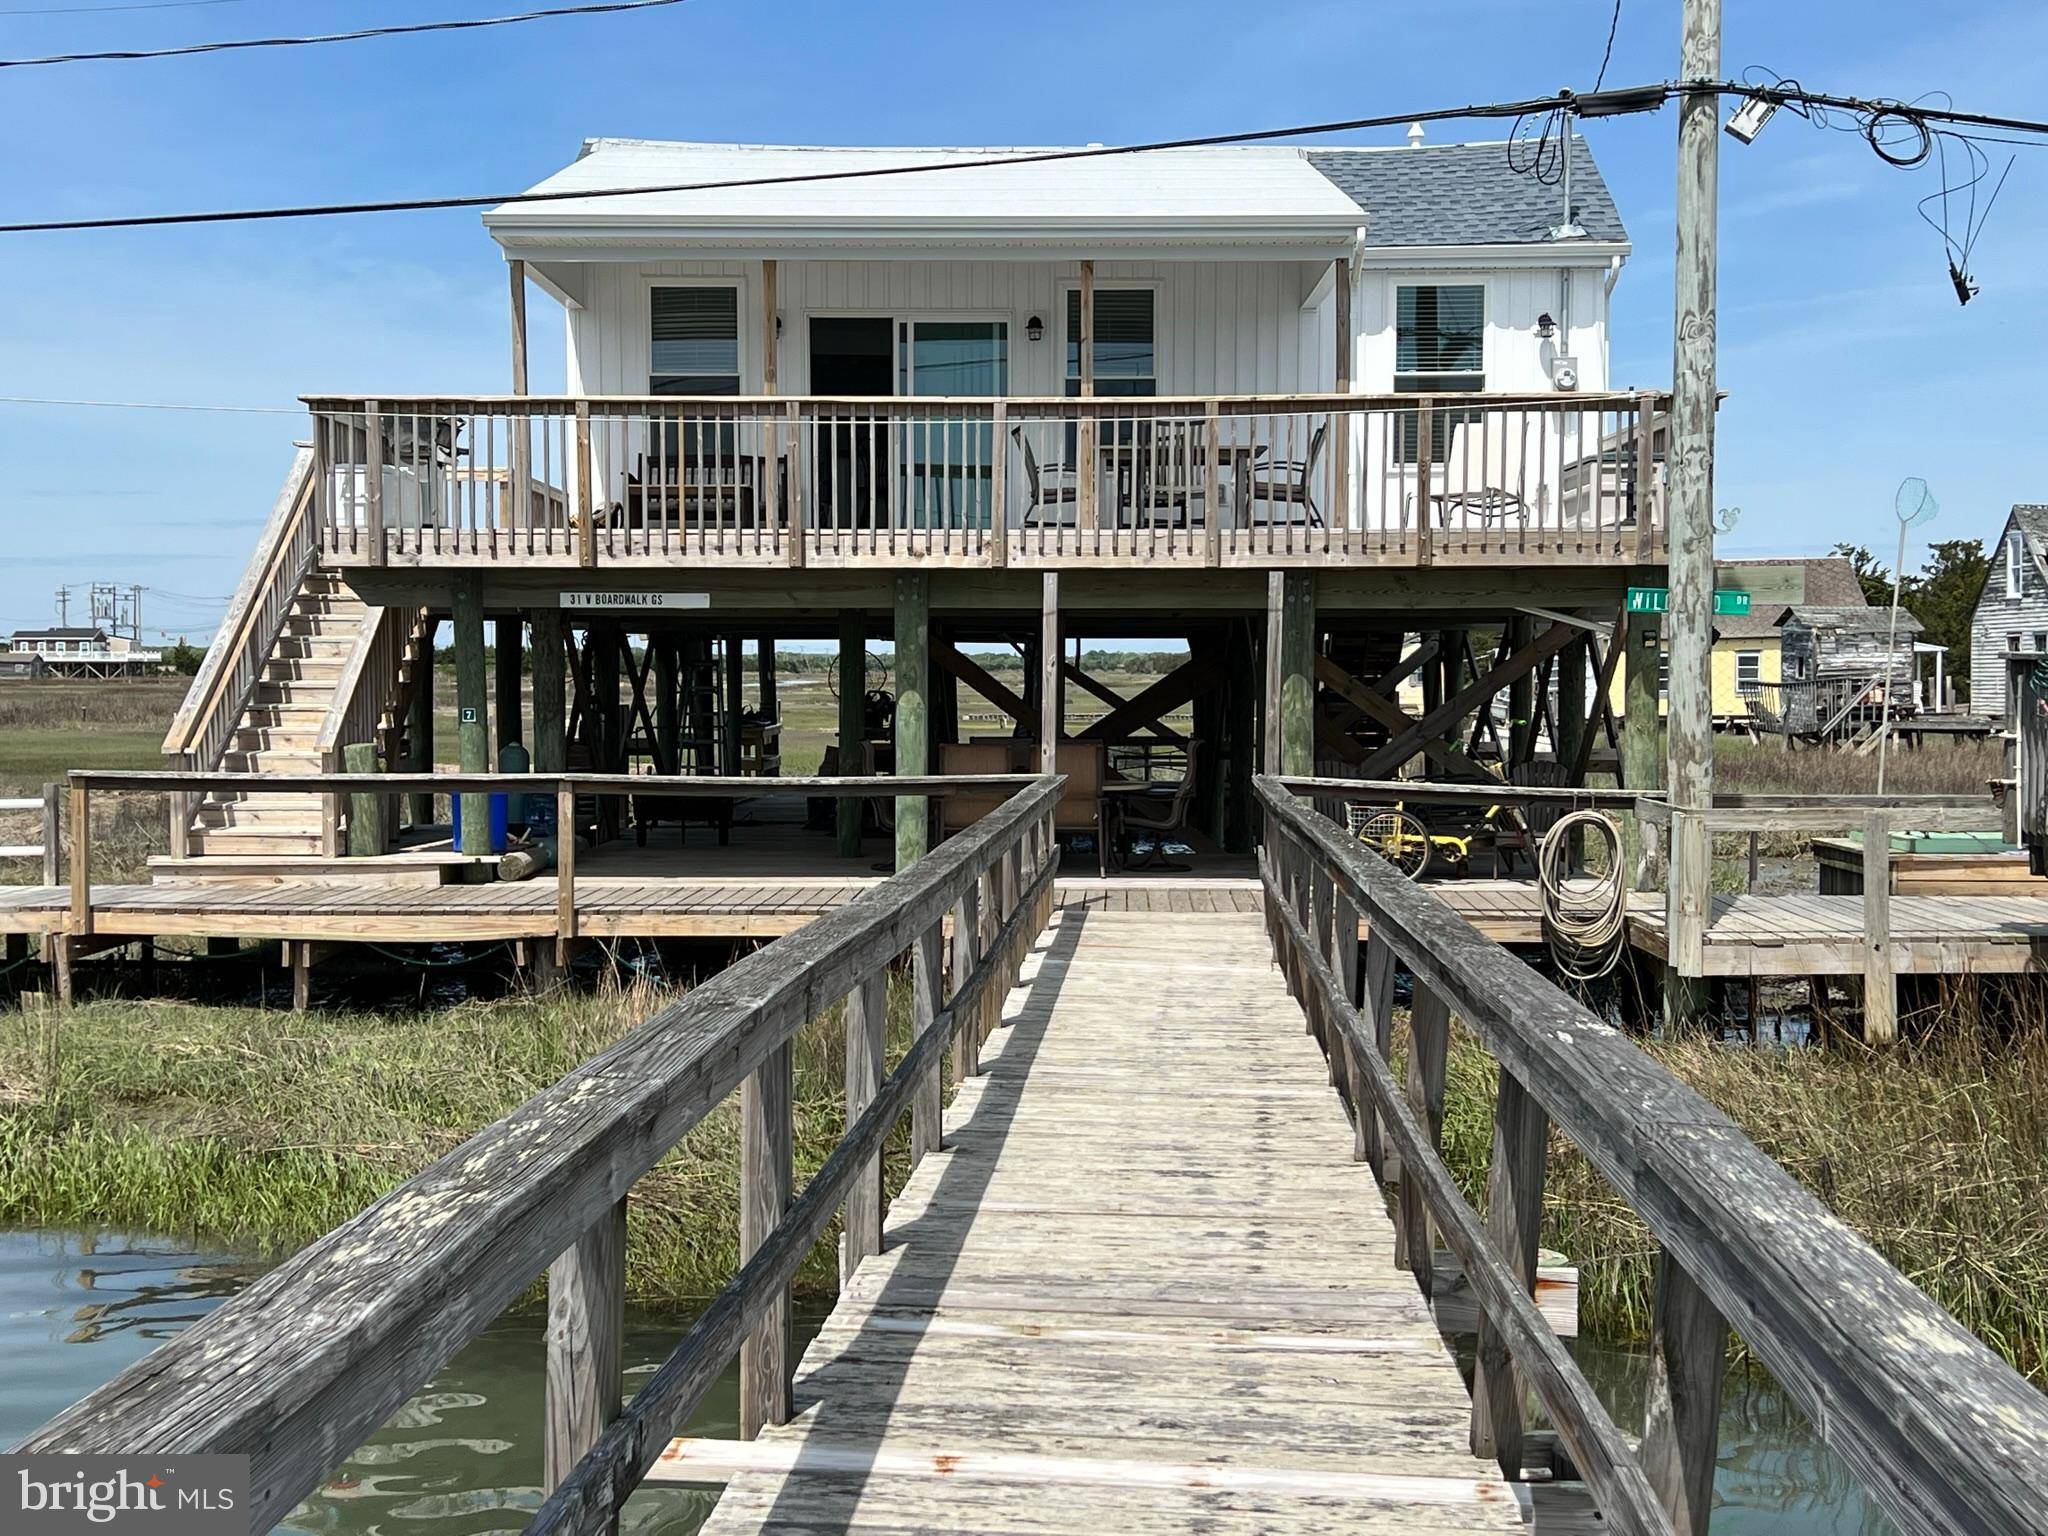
[1823,935]
[1143,1289]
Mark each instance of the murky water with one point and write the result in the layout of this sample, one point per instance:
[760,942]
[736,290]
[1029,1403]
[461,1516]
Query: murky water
[463,1457]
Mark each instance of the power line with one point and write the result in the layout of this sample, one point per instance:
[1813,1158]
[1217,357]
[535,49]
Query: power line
[1609,103]
[154,405]
[409,29]
[1613,26]
[91,10]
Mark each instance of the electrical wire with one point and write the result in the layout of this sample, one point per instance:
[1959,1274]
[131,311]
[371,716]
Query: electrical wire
[408,29]
[153,405]
[1585,918]
[1613,26]
[1650,101]
[93,10]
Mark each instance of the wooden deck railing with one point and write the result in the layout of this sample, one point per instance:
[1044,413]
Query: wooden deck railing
[226,681]
[303,1366]
[1944,1436]
[786,480]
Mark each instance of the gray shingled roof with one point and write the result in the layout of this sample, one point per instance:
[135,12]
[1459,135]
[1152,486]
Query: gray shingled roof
[1854,621]
[1465,194]
[2033,521]
[1830,583]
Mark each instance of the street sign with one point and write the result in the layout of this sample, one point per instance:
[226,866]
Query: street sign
[626,599]
[1727,605]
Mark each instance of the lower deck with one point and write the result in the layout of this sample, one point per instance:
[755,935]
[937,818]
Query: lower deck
[1066,1331]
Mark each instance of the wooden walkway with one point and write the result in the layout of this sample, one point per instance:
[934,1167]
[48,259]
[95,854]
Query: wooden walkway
[1823,935]
[1143,1289]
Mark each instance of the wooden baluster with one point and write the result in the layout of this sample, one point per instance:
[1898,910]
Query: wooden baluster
[1376,1005]
[1212,486]
[81,857]
[1321,896]
[1682,1418]
[53,838]
[927,1104]
[585,1343]
[1425,553]
[1429,1028]
[867,1023]
[565,870]
[999,485]
[1514,1222]
[1344,960]
[373,489]
[764,1197]
[586,491]
[966,951]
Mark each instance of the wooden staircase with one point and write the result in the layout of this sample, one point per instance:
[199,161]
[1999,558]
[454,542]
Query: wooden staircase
[279,729]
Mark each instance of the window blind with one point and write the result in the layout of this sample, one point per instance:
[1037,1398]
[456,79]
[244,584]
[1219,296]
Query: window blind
[1124,346]
[1440,329]
[695,334]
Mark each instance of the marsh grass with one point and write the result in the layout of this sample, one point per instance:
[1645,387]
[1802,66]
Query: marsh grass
[258,1131]
[1936,1152]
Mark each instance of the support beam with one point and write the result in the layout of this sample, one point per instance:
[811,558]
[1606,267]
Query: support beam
[913,710]
[1372,703]
[472,703]
[1052,711]
[509,678]
[419,724]
[516,270]
[1340,429]
[1087,512]
[1880,984]
[1108,695]
[550,720]
[867,1023]
[853,681]
[1444,717]
[764,677]
[1690,732]
[668,719]
[771,342]
[1642,748]
[951,660]
[1297,671]
[1521,693]
[733,678]
[367,836]
[1145,707]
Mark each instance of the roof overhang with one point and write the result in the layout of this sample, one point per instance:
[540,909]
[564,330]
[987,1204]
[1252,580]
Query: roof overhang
[530,237]
[1534,253]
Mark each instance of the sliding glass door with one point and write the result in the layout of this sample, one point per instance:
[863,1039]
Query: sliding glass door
[946,457]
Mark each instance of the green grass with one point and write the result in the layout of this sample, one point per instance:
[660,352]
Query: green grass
[1936,1153]
[258,1130]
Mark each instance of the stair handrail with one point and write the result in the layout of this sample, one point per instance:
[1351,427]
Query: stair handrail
[255,616]
[362,694]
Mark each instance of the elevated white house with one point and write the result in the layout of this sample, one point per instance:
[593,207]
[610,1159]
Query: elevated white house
[977,394]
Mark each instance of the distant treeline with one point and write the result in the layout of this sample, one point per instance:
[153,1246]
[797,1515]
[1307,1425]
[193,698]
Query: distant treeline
[1142,663]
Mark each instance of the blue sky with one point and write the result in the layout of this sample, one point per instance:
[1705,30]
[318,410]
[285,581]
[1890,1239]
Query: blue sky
[1848,361]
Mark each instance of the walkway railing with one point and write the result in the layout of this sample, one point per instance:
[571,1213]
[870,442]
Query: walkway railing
[303,1366]
[788,480]
[226,681]
[1944,1436]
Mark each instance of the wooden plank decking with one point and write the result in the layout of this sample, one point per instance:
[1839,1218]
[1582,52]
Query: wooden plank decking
[1143,1289]
[1823,935]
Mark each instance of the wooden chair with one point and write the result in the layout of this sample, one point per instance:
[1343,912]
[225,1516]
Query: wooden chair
[1052,485]
[965,759]
[1485,473]
[1161,814]
[1082,804]
[1284,483]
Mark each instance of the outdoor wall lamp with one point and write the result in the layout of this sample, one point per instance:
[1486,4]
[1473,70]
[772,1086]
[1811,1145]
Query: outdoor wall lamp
[1034,329]
[1545,326]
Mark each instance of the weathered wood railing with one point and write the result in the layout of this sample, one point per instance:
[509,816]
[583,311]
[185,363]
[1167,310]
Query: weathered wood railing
[780,479]
[360,711]
[565,787]
[303,1366]
[1875,816]
[1942,1433]
[226,681]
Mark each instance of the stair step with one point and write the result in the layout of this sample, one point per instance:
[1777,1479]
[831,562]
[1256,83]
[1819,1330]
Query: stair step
[316,645]
[233,841]
[288,817]
[298,738]
[323,669]
[284,713]
[237,760]
[310,695]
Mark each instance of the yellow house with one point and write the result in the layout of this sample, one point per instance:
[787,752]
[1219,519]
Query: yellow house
[1747,649]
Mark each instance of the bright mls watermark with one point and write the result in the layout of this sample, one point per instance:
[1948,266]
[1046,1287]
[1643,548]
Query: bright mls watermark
[124,1495]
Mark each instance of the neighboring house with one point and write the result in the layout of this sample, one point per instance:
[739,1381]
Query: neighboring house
[14,665]
[1823,642]
[83,651]
[64,640]
[1749,657]
[2012,610]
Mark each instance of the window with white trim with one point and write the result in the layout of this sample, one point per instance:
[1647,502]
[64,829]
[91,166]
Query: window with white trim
[2014,571]
[693,341]
[1749,671]
[1439,348]
[1126,342]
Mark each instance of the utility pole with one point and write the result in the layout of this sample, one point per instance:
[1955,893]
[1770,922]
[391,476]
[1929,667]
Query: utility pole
[63,607]
[1689,625]
[1689,1338]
